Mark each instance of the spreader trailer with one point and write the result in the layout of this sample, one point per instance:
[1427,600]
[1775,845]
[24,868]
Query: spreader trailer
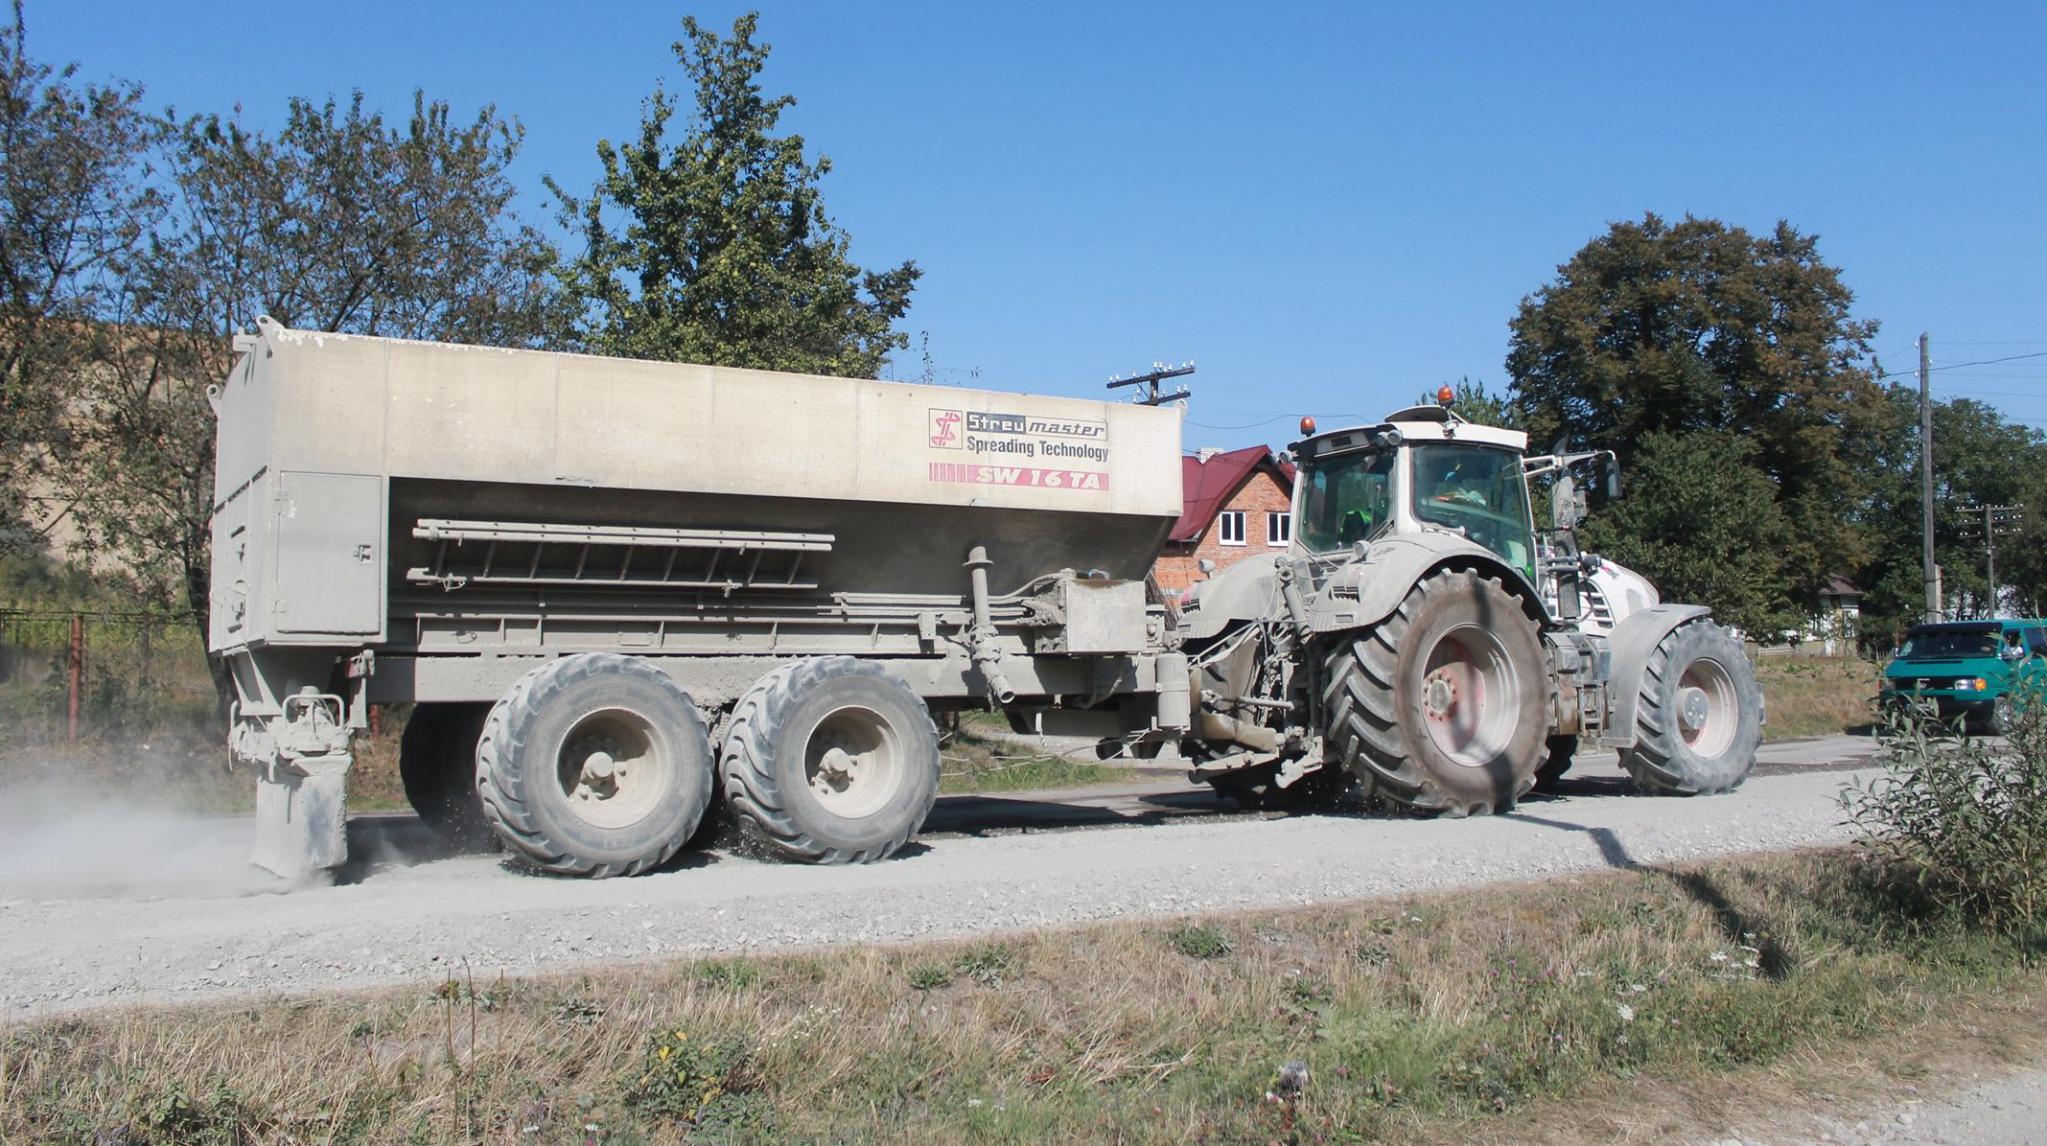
[615,591]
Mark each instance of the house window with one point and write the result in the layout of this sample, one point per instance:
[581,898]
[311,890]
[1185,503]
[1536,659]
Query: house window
[1230,524]
[1279,528]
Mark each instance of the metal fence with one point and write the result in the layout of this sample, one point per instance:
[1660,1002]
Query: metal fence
[94,674]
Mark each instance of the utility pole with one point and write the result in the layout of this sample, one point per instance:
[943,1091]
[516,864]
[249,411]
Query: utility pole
[1996,519]
[1926,485]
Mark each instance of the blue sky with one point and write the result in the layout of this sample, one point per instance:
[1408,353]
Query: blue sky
[1328,207]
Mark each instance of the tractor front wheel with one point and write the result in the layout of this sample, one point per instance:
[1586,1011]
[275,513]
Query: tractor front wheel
[1698,716]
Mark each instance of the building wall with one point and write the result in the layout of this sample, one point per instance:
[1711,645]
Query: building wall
[1178,568]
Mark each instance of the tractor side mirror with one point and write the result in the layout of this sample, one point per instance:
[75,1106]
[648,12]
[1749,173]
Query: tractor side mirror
[1567,508]
[1613,479]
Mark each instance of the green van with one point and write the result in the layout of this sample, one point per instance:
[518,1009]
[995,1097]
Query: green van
[1966,669]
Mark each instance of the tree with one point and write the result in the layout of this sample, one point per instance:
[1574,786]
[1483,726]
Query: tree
[2022,557]
[723,253]
[1474,403]
[1980,458]
[1703,524]
[1654,328]
[339,222]
[75,198]
[344,223]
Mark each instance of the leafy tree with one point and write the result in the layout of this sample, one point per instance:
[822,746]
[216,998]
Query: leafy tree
[721,251]
[1474,403]
[75,198]
[338,222]
[2022,557]
[343,222]
[1703,524]
[1659,328]
[1980,458]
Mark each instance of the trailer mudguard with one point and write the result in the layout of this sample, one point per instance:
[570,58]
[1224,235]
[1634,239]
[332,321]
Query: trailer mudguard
[1632,642]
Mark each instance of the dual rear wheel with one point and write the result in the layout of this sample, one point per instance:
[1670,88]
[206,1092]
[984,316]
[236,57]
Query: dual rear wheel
[599,764]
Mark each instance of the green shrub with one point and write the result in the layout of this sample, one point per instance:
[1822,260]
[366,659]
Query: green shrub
[1199,941]
[930,976]
[710,1085]
[1963,820]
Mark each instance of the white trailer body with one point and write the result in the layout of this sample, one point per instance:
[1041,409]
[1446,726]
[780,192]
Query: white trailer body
[424,523]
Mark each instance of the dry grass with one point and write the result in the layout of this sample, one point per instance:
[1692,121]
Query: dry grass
[976,758]
[1426,1015]
[1817,696]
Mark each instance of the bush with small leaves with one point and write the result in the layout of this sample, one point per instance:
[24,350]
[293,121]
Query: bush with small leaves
[1200,941]
[1961,820]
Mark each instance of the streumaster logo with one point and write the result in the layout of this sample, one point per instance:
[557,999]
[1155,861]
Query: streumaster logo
[1004,437]
[945,430]
[985,423]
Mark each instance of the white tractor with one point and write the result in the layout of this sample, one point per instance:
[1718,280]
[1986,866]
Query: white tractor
[1423,640]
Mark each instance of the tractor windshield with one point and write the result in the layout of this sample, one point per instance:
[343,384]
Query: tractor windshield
[1479,491]
[1345,499]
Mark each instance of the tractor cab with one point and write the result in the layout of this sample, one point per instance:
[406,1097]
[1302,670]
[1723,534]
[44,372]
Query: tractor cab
[1424,469]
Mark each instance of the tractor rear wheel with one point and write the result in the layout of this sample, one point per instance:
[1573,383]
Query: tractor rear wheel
[831,760]
[1444,705]
[437,765]
[1699,715]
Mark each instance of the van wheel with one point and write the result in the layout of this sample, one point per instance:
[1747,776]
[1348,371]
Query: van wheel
[595,764]
[2002,716]
[831,760]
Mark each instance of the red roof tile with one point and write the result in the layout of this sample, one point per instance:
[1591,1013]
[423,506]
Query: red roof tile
[1207,486]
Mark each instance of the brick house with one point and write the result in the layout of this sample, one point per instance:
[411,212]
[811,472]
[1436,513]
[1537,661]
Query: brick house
[1236,503]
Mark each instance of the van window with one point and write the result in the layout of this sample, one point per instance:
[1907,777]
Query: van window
[1950,643]
[2036,641]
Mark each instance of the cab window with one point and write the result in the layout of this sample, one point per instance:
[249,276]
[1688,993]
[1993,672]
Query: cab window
[1480,491]
[1345,499]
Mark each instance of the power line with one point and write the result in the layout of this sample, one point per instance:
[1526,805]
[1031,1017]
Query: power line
[1959,365]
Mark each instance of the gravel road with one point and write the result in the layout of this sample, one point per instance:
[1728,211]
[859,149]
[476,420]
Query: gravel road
[127,906]
[2007,1112]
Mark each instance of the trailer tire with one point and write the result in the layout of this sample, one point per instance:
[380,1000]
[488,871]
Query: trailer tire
[1400,698]
[594,765]
[437,766]
[831,760]
[1712,747]
[1560,749]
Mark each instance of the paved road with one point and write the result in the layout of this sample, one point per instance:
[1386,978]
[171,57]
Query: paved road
[130,906]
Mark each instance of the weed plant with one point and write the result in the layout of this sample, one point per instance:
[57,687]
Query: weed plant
[1960,821]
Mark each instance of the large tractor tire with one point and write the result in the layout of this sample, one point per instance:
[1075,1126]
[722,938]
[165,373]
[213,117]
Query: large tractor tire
[1557,760]
[1699,715]
[1444,704]
[437,765]
[831,760]
[594,765]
